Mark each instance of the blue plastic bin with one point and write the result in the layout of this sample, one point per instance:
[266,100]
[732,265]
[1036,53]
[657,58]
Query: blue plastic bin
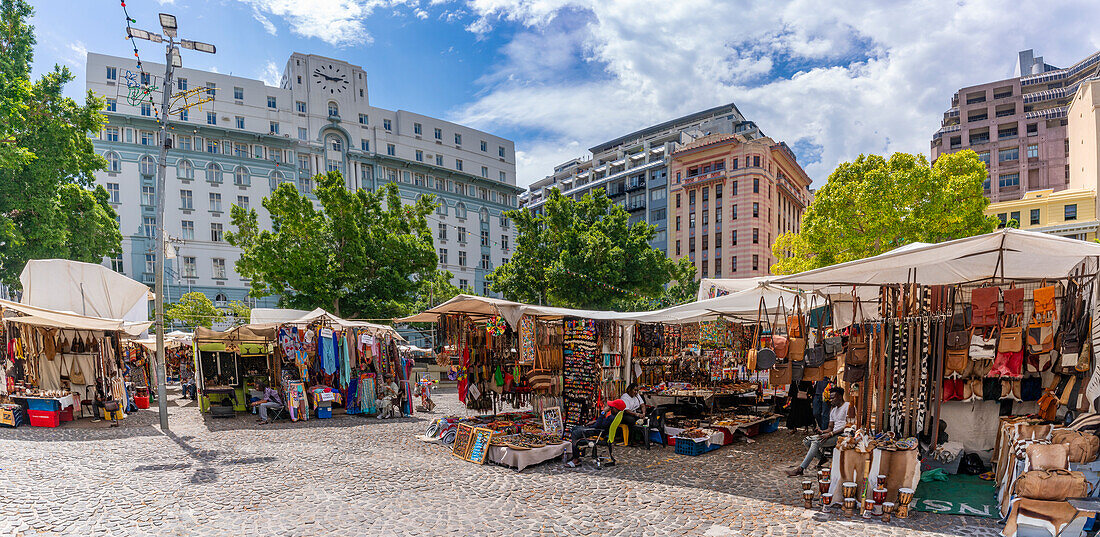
[324,412]
[49,405]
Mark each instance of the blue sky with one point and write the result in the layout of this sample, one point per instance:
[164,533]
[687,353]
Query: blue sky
[833,80]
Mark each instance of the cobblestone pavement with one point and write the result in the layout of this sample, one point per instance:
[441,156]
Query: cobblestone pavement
[351,475]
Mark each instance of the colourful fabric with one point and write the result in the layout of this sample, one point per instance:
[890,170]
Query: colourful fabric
[327,348]
[527,339]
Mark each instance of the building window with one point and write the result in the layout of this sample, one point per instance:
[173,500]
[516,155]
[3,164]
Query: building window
[181,84]
[484,146]
[500,151]
[755,236]
[1071,211]
[443,256]
[441,231]
[188,227]
[148,196]
[150,263]
[273,127]
[391,150]
[1005,155]
[211,118]
[213,146]
[300,106]
[148,226]
[112,192]
[184,169]
[485,172]
[1033,151]
[461,258]
[147,166]
[303,134]
[755,164]
[460,212]
[484,238]
[733,237]
[756,185]
[271,102]
[189,270]
[242,202]
[112,105]
[211,90]
[677,223]
[504,242]
[1009,180]
[463,284]
[333,109]
[418,129]
[305,184]
[659,214]
[239,121]
[755,210]
[438,159]
[755,262]
[387,125]
[216,232]
[241,176]
[215,202]
[419,156]
[187,201]
[486,264]
[438,134]
[147,138]
[238,94]
[1035,217]
[184,115]
[219,268]
[114,163]
[146,109]
[116,264]
[458,139]
[112,73]
[503,177]
[458,164]
[214,172]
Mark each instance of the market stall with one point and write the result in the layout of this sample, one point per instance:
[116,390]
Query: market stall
[58,366]
[940,344]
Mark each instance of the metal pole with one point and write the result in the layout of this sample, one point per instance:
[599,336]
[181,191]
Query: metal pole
[162,165]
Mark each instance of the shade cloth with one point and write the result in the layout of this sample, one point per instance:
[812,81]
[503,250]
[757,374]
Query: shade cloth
[714,287]
[34,315]
[292,316]
[84,288]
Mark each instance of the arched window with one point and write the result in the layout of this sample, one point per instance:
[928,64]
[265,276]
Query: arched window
[147,166]
[333,109]
[214,172]
[460,210]
[335,143]
[221,300]
[275,179]
[184,169]
[241,176]
[114,163]
[483,215]
[442,209]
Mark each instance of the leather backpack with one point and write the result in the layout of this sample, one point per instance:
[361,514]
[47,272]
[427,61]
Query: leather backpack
[815,356]
[1043,299]
[985,301]
[780,343]
[1083,446]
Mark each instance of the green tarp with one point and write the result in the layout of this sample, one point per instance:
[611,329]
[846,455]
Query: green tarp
[959,495]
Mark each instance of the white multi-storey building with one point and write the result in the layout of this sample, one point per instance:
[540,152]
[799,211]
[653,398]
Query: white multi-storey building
[252,137]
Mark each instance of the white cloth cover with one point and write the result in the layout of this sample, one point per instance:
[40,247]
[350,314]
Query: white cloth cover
[83,288]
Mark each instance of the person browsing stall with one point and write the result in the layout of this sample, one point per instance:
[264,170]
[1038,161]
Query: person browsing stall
[839,414]
[270,399]
[635,405]
[601,424]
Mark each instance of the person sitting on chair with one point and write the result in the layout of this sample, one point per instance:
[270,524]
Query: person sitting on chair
[635,405]
[187,381]
[594,427]
[389,397]
[839,414]
[269,400]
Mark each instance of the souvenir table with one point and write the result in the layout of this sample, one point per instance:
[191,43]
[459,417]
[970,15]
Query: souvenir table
[56,403]
[522,458]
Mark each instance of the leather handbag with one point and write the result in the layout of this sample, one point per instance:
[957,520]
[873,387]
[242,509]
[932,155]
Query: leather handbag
[780,375]
[1040,335]
[1051,485]
[815,356]
[853,374]
[794,322]
[956,361]
[798,369]
[957,340]
[1083,446]
[821,316]
[982,348]
[1043,299]
[858,351]
[985,301]
[833,345]
[813,374]
[76,375]
[1047,456]
[1011,339]
[830,367]
[780,343]
[1048,405]
[1014,301]
[796,349]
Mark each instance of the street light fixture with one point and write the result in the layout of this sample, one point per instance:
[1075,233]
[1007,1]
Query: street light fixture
[172,60]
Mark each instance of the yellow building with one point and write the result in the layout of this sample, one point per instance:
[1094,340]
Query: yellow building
[1066,213]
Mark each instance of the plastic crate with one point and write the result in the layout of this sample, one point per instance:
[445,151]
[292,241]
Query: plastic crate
[49,405]
[67,414]
[324,412]
[687,446]
[769,426]
[44,418]
[141,401]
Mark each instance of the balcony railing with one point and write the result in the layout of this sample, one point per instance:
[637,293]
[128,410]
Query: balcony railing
[631,187]
[946,130]
[635,206]
[1050,113]
[979,139]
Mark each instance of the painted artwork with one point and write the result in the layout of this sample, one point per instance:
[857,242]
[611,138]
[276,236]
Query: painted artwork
[479,445]
[551,420]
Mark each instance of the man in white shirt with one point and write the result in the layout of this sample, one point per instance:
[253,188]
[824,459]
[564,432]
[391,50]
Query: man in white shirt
[635,405]
[839,415]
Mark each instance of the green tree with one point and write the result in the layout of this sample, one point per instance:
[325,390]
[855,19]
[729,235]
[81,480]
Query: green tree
[240,311]
[437,290]
[361,255]
[581,254]
[48,205]
[874,205]
[193,309]
[682,289]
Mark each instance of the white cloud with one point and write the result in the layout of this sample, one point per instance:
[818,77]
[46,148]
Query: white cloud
[270,75]
[421,14]
[269,26]
[336,22]
[862,77]
[76,55]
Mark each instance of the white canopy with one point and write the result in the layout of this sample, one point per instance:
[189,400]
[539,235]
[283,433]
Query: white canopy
[1009,253]
[511,311]
[37,316]
[292,316]
[714,287]
[743,305]
[85,288]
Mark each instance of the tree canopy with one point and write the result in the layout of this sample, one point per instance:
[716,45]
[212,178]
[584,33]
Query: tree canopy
[875,204]
[581,254]
[193,309]
[361,254]
[48,205]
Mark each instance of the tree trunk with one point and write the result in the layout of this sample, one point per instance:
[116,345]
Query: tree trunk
[336,307]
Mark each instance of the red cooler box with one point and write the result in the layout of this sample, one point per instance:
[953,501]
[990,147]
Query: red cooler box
[44,418]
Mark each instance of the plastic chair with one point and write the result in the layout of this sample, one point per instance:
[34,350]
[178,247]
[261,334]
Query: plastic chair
[609,441]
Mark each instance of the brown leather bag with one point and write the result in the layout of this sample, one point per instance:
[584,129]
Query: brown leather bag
[1083,447]
[858,352]
[1011,340]
[985,301]
[1048,456]
[813,374]
[830,367]
[796,348]
[1044,300]
[1048,405]
[780,375]
[956,361]
[1051,485]
[1040,336]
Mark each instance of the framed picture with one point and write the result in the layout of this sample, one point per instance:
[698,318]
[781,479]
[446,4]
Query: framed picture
[551,420]
[461,447]
[479,445]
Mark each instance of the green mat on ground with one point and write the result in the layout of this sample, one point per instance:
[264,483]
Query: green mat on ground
[959,495]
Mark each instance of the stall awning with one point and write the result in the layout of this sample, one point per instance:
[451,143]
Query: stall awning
[1009,253]
[87,288]
[477,306]
[248,333]
[301,317]
[711,287]
[33,315]
[743,305]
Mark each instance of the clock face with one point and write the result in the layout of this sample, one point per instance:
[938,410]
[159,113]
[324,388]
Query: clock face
[331,79]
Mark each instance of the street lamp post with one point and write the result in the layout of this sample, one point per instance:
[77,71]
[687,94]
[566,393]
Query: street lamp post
[171,61]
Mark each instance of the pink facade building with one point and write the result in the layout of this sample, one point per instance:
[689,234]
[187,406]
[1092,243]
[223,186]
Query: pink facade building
[730,197]
[1017,126]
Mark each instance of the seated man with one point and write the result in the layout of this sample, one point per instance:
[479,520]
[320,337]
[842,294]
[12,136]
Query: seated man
[269,400]
[187,380]
[839,414]
[635,405]
[388,398]
[594,427]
